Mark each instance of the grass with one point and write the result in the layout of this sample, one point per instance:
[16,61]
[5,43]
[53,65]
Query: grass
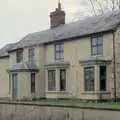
[69,103]
[80,103]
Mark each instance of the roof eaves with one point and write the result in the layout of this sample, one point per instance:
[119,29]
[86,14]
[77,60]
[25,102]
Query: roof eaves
[13,50]
[2,57]
[81,36]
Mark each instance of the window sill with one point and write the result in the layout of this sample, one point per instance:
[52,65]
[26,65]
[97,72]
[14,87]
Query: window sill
[56,92]
[96,92]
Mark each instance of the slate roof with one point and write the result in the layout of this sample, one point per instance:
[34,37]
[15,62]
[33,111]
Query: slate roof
[5,49]
[90,25]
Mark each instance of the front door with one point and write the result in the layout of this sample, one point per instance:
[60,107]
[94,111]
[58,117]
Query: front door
[14,85]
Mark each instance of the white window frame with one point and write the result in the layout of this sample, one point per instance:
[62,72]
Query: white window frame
[31,58]
[57,80]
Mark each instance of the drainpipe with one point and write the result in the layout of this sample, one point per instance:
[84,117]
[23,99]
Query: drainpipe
[114,66]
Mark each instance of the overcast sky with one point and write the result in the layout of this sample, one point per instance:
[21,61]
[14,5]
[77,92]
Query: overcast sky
[20,17]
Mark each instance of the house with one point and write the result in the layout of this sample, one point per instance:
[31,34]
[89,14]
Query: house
[75,60]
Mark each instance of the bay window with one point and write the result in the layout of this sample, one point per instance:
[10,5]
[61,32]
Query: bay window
[95,80]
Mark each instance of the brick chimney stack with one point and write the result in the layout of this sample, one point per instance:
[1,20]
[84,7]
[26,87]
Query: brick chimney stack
[57,17]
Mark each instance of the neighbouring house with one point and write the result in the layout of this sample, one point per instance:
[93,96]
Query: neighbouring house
[75,60]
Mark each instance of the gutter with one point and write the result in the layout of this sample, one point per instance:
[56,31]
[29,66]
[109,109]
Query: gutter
[2,57]
[78,37]
[63,39]
[10,51]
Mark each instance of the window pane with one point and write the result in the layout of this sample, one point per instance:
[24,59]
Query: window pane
[31,54]
[62,47]
[100,40]
[32,82]
[89,78]
[57,55]
[19,56]
[97,45]
[94,50]
[94,41]
[61,55]
[102,78]
[62,79]
[59,51]
[51,80]
[100,49]
[14,85]
[57,47]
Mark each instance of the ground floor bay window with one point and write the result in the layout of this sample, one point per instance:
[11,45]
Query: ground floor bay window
[96,81]
[22,80]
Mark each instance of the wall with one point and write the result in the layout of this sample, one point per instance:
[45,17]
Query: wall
[77,50]
[4,77]
[24,83]
[117,58]
[74,51]
[31,112]
[40,82]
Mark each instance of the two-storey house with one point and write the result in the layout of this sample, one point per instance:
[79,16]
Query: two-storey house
[75,60]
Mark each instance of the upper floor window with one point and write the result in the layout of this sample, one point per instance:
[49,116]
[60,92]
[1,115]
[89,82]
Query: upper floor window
[59,51]
[97,45]
[19,56]
[31,54]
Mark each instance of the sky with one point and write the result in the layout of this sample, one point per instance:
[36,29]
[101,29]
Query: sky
[20,17]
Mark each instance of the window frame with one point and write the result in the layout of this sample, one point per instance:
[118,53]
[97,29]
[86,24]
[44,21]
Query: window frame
[62,81]
[33,89]
[19,55]
[14,84]
[51,80]
[104,78]
[97,46]
[92,88]
[31,54]
[59,51]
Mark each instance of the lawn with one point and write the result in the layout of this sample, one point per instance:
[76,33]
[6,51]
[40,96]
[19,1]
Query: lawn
[73,103]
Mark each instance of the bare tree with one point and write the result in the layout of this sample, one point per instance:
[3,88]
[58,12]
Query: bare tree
[96,7]
[101,6]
